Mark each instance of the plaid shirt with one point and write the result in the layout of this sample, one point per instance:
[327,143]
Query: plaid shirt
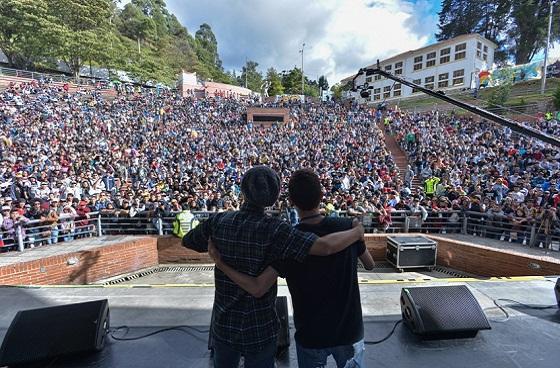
[249,241]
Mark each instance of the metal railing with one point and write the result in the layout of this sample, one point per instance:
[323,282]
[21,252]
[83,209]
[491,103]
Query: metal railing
[526,231]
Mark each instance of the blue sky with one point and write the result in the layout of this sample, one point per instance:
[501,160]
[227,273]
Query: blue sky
[340,35]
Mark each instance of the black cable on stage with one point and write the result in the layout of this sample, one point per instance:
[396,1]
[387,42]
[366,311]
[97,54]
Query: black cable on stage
[176,328]
[386,337]
[528,306]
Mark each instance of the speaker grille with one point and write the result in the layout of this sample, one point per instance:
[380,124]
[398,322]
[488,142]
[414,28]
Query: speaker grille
[445,309]
[44,333]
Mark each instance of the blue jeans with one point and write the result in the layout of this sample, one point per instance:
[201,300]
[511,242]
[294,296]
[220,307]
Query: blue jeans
[227,357]
[345,356]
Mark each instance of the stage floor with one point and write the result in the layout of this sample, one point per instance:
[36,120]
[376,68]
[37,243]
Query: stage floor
[529,338]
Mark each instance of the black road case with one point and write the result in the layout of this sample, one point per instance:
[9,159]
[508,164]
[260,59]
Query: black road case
[411,252]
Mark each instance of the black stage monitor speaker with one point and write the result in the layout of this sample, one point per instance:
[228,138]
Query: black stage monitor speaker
[46,333]
[557,292]
[442,312]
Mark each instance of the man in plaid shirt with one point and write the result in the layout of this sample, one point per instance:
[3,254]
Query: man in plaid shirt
[249,241]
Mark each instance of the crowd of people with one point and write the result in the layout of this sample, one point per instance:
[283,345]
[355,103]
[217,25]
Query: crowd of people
[153,153]
[469,164]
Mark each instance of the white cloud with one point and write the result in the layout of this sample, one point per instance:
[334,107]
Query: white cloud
[340,35]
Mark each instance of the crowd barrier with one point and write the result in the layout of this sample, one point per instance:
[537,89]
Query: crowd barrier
[529,232]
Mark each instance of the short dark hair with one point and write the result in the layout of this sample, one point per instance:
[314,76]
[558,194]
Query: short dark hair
[305,189]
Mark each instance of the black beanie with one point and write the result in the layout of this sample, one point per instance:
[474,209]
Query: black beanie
[261,186]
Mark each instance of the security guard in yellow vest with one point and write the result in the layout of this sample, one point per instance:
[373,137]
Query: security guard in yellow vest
[184,222]
[430,185]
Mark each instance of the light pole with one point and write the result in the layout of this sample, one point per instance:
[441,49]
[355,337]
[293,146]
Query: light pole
[302,77]
[543,78]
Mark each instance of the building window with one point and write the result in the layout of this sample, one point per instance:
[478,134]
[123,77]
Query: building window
[398,68]
[429,82]
[479,50]
[430,63]
[397,93]
[388,67]
[479,45]
[418,62]
[416,81]
[458,77]
[397,86]
[431,55]
[386,91]
[377,77]
[444,59]
[460,47]
[376,97]
[485,48]
[484,57]
[445,51]
[460,55]
[368,80]
[443,79]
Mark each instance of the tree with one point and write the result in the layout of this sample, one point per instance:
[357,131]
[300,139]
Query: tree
[336,89]
[489,18]
[529,28]
[252,76]
[207,46]
[27,31]
[136,25]
[275,86]
[323,83]
[291,80]
[84,28]
[557,98]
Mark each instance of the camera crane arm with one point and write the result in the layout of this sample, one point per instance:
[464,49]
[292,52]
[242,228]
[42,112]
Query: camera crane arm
[513,125]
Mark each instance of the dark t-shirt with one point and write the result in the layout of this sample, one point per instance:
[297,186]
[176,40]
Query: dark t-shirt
[325,293]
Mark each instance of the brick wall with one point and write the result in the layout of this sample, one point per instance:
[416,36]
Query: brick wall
[462,256]
[88,265]
[485,261]
[170,250]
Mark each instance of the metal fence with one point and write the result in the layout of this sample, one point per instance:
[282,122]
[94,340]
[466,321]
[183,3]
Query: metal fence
[529,232]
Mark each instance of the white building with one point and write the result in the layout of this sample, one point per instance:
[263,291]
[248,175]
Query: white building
[446,65]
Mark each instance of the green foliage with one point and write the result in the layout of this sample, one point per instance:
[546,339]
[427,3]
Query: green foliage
[291,80]
[27,31]
[337,90]
[275,86]
[557,98]
[500,94]
[142,38]
[251,77]
[529,28]
[518,27]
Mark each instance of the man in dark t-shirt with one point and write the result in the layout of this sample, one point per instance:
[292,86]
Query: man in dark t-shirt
[325,292]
